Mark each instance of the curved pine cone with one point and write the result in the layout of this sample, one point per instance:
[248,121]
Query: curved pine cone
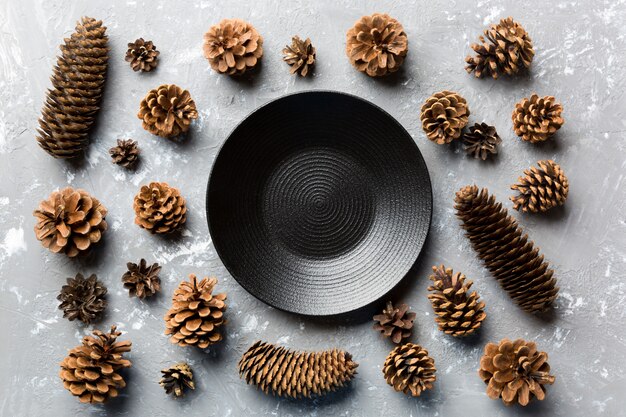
[377,45]
[541,188]
[159,208]
[70,221]
[197,315]
[515,371]
[408,368]
[300,55]
[83,298]
[294,374]
[395,322]
[142,55]
[167,111]
[535,119]
[443,116]
[77,87]
[233,46]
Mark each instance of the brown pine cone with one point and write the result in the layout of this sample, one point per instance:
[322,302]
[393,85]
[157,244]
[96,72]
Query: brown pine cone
[507,50]
[377,45]
[459,311]
[535,119]
[83,298]
[515,371]
[126,153]
[444,115]
[176,379]
[91,371]
[142,280]
[197,315]
[233,46]
[167,111]
[70,221]
[142,55]
[300,56]
[541,188]
[159,208]
[481,141]
[395,322]
[408,368]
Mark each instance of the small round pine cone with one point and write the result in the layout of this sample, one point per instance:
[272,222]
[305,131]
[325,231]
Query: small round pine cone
[176,379]
[443,116]
[167,111]
[541,188]
[481,141]
[159,208]
[535,119]
[408,368]
[142,280]
[300,55]
[395,322]
[142,55]
[126,153]
[233,46]
[83,298]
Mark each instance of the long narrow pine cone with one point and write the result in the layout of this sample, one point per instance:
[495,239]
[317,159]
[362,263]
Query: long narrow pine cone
[142,280]
[142,55]
[287,373]
[515,371]
[481,141]
[159,208]
[77,86]
[83,298]
[395,322]
[176,379]
[541,189]
[459,311]
[300,56]
[443,116]
[91,371]
[409,369]
[233,47]
[535,119]
[506,251]
[167,111]
[197,315]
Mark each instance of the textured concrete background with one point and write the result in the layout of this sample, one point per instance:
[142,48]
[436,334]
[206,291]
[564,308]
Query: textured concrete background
[581,53]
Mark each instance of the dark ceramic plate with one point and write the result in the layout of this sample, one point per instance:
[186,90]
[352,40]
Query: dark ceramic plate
[319,203]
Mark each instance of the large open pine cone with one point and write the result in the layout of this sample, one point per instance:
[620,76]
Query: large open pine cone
[70,221]
[176,379]
[395,322]
[408,368]
[295,374]
[541,189]
[535,119]
[91,371]
[233,46]
[142,280]
[83,298]
[142,55]
[377,45]
[167,111]
[159,208]
[515,371]
[443,116]
[481,141]
[300,55]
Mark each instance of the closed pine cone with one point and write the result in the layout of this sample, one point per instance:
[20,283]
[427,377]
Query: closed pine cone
[481,141]
[505,249]
[176,379]
[197,315]
[233,46]
[287,373]
[408,368]
[77,86]
[377,45]
[142,55]
[159,208]
[541,188]
[515,371]
[142,280]
[443,116]
[126,153]
[70,221]
[167,111]
[91,371]
[83,298]
[507,50]
[300,56]
[535,119]
[395,322]
[459,311]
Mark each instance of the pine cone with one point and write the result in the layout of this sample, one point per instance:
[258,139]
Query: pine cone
[287,373]
[126,153]
[197,316]
[90,371]
[395,322]
[510,256]
[507,49]
[409,368]
[300,56]
[142,280]
[177,378]
[233,46]
[83,298]
[515,371]
[159,208]
[143,56]
[377,45]
[541,189]
[459,312]
[444,115]
[167,111]
[481,140]
[536,119]
[77,86]
[70,221]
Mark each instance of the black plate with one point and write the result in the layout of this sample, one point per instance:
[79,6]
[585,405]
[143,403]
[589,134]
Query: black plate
[319,203]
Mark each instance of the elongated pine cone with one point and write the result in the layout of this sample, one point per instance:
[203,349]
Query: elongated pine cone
[233,46]
[408,368]
[159,208]
[287,373]
[197,315]
[167,111]
[77,86]
[395,322]
[443,116]
[83,298]
[142,280]
[300,55]
[126,153]
[505,249]
[541,189]
[176,379]
[142,55]
[535,119]
[481,141]
[377,45]
[506,50]
[70,221]
[459,311]
[515,371]
[91,371]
